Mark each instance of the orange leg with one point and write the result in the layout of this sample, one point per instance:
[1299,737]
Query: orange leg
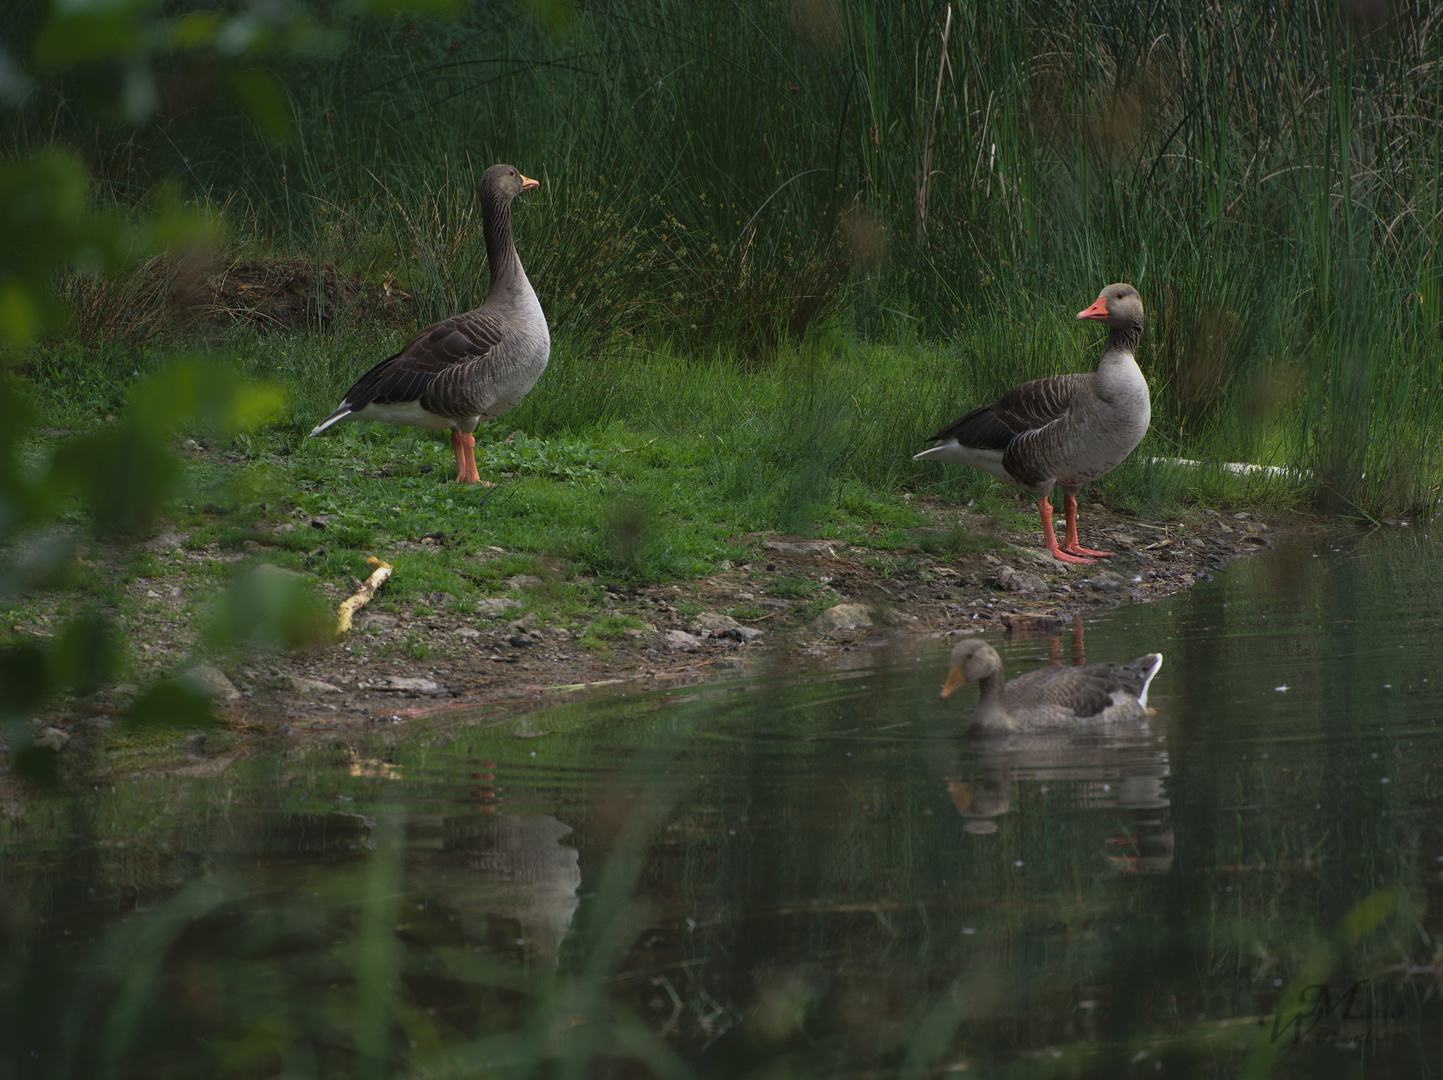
[464,447]
[1069,508]
[1049,538]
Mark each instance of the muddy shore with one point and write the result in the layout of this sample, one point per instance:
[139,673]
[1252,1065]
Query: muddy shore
[803,596]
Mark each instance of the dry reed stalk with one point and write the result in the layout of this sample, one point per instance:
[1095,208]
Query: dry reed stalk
[380,571]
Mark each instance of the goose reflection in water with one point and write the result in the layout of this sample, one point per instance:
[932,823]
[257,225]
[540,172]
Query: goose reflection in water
[490,867]
[1092,772]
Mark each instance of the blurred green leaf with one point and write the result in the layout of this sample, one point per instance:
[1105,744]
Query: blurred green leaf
[392,8]
[267,608]
[46,222]
[171,703]
[37,763]
[14,85]
[83,657]
[174,225]
[266,99]
[21,316]
[24,681]
[126,476]
[15,418]
[206,394]
[194,29]
[1367,914]
[78,34]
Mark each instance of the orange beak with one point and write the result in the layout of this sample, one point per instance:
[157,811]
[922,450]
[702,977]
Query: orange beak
[955,678]
[1097,311]
[527,183]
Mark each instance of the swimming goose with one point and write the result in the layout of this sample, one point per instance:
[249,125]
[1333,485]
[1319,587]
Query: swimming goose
[1064,430]
[470,367]
[1050,697]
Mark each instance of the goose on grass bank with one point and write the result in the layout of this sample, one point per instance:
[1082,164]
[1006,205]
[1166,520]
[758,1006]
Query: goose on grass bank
[470,367]
[1064,430]
[1050,698]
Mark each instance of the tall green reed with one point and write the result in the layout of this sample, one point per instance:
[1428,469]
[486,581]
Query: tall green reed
[737,175]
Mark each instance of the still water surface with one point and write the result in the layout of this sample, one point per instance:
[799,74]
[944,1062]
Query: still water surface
[796,872]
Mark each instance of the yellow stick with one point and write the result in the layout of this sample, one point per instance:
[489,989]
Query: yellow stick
[380,572]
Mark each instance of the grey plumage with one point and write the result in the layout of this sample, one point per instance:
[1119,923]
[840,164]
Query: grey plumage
[1064,430]
[470,367]
[1050,698]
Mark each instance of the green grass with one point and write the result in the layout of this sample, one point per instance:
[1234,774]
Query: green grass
[690,459]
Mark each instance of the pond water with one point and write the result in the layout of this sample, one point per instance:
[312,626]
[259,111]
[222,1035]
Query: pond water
[793,872]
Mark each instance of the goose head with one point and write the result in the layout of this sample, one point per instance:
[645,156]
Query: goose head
[503,183]
[971,659]
[1117,305]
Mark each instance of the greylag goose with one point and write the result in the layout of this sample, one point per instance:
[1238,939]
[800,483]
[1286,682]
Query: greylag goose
[1050,697]
[470,367]
[1064,430]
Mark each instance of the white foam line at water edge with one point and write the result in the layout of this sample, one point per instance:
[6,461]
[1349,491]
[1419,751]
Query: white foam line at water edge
[1241,468]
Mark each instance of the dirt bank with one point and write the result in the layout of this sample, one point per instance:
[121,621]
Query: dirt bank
[809,597]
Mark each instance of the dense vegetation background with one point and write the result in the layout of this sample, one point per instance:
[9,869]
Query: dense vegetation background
[736,177]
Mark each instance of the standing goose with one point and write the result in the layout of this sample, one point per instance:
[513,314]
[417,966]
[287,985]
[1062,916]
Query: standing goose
[1064,430]
[1050,698]
[470,367]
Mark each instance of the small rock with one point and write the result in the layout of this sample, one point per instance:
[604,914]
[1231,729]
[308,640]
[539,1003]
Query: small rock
[709,622]
[520,639]
[637,635]
[302,685]
[893,617]
[805,547]
[1019,580]
[209,680]
[681,641]
[715,624]
[843,617]
[1106,581]
[496,605]
[521,582]
[409,686]
[468,632]
[54,738]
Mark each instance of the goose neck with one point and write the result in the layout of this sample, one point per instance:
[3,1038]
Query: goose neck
[501,257]
[990,714]
[1122,339]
